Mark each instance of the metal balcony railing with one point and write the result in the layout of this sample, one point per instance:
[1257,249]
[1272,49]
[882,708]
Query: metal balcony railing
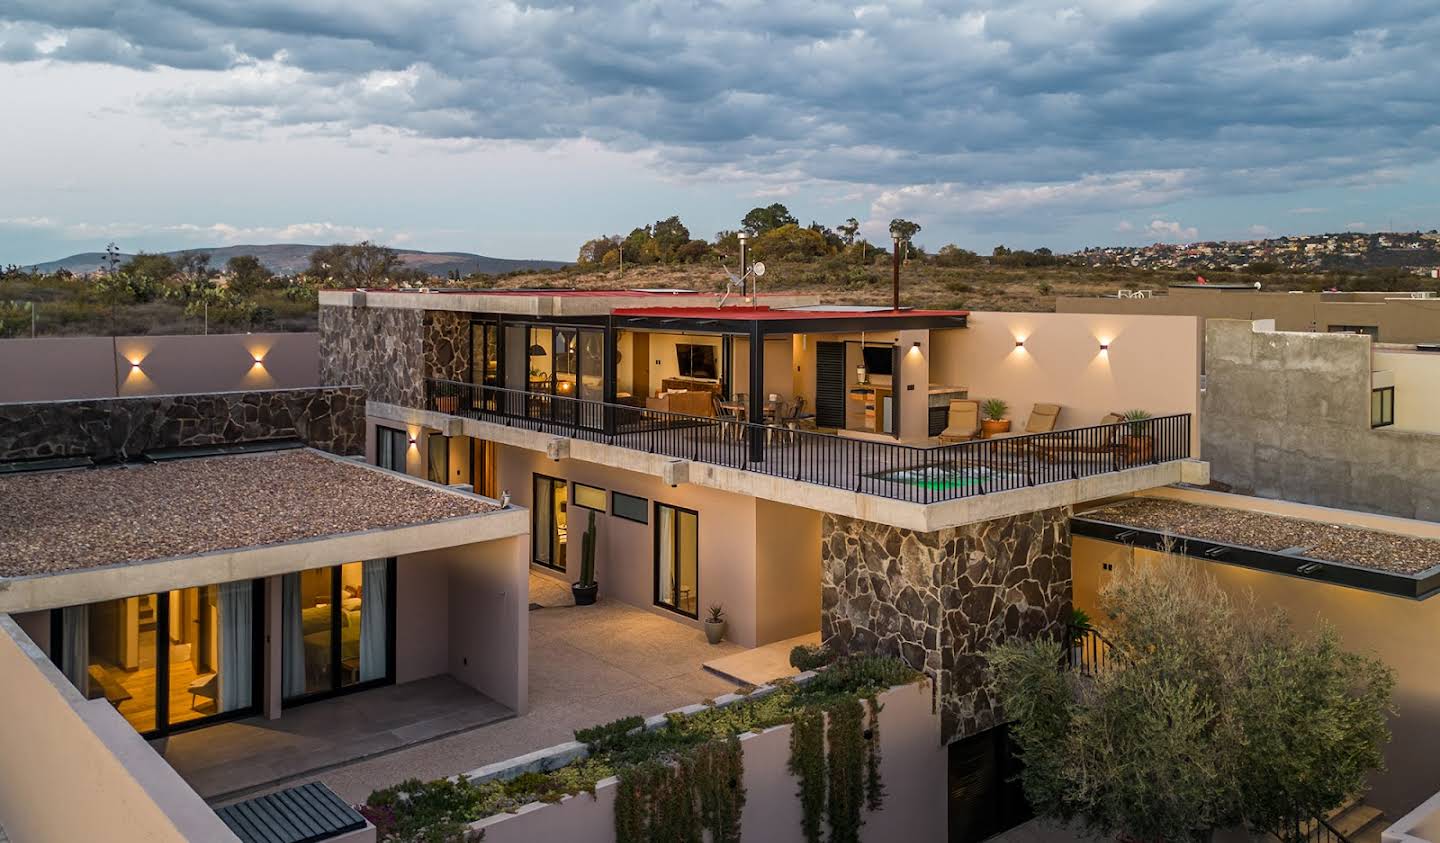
[889,470]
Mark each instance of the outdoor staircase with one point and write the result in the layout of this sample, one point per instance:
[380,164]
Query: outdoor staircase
[1353,822]
[1357,821]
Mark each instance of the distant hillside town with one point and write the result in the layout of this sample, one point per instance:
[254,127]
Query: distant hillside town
[1416,251]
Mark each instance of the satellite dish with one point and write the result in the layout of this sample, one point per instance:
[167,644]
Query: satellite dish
[758,268]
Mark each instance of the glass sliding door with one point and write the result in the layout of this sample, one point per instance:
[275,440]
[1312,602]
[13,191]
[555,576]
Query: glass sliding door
[391,448]
[677,559]
[336,628]
[517,369]
[549,526]
[179,658]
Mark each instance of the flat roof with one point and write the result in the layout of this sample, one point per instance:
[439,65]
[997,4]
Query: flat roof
[56,522]
[1279,543]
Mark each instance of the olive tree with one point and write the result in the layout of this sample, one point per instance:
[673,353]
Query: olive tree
[1212,713]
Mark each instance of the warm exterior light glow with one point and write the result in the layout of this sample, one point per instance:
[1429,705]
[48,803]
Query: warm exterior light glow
[1104,345]
[1020,343]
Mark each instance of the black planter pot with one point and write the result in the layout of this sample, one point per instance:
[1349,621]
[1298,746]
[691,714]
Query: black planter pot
[584,594]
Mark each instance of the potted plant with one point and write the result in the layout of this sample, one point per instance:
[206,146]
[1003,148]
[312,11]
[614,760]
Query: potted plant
[994,411]
[715,624]
[1139,443]
[586,588]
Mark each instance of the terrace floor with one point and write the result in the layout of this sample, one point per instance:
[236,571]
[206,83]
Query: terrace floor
[588,665]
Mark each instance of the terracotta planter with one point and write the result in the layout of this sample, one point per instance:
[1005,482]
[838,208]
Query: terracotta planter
[1139,448]
[990,427]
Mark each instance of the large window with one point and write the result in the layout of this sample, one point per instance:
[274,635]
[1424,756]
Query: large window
[590,497]
[1382,406]
[549,522]
[337,629]
[677,559]
[177,658]
[391,448]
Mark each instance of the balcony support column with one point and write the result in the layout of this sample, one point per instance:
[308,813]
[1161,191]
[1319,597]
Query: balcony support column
[756,409]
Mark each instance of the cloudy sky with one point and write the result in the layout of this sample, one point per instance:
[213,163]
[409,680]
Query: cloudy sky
[520,130]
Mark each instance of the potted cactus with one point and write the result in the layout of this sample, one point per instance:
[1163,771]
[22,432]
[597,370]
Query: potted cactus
[1138,441]
[715,624]
[586,588]
[994,421]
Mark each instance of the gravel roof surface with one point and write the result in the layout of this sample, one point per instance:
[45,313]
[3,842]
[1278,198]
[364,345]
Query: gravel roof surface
[1331,542]
[66,520]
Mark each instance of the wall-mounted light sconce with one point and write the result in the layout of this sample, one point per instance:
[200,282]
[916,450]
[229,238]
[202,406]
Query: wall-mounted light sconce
[1019,343]
[917,343]
[1104,346]
[413,440]
[259,359]
[134,366]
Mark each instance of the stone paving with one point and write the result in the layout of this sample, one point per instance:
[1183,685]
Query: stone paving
[588,665]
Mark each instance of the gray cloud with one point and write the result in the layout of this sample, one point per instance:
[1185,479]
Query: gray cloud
[1012,107]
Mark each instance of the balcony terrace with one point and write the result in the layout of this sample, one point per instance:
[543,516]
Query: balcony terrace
[892,471]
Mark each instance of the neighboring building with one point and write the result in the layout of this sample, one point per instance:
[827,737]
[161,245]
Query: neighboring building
[845,518]
[1391,317]
[1329,419]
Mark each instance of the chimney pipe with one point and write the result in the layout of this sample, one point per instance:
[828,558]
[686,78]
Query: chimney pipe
[745,263]
[896,264]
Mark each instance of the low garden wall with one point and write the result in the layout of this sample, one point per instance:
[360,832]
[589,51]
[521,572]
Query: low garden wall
[912,767]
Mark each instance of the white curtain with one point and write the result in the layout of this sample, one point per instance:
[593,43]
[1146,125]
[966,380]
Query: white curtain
[667,555]
[374,613]
[237,615]
[75,646]
[544,501]
[292,638]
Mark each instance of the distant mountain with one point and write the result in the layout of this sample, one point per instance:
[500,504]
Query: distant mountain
[290,258]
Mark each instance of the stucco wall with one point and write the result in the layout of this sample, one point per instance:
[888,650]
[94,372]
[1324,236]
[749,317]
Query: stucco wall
[1401,632]
[329,418]
[787,571]
[73,769]
[1153,363]
[1417,387]
[464,611]
[625,553]
[1287,415]
[60,368]
[912,767]
[939,600]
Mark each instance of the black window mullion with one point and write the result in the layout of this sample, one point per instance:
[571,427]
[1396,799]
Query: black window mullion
[335,628]
[162,662]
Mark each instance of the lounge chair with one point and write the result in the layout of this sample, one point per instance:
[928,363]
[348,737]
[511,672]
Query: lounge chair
[1102,443]
[1042,420]
[963,421]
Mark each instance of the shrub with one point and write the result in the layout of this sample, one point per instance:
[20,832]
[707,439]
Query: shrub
[810,657]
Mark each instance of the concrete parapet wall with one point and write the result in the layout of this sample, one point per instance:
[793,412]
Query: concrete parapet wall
[1287,415]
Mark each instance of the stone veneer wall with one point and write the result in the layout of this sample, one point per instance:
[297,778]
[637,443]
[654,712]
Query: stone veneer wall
[939,600]
[447,345]
[390,350]
[329,418]
[379,348]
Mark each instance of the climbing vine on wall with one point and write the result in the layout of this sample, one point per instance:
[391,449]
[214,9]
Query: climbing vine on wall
[838,767]
[676,800]
[807,763]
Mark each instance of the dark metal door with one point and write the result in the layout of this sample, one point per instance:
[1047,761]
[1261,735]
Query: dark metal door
[830,384]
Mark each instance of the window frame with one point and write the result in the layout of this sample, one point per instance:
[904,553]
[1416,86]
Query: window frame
[384,434]
[575,496]
[337,689]
[675,557]
[616,494]
[1381,393]
[555,482]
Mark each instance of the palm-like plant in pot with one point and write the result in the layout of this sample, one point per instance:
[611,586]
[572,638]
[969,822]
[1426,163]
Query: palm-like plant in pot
[1138,441]
[994,421]
[715,624]
[586,588]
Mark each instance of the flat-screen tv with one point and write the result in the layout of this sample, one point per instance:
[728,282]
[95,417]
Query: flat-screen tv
[697,361]
[879,360]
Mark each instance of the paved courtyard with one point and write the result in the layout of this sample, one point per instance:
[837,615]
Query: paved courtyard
[588,665]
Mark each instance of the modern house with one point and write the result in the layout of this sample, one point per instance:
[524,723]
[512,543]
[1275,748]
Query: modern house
[779,456]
